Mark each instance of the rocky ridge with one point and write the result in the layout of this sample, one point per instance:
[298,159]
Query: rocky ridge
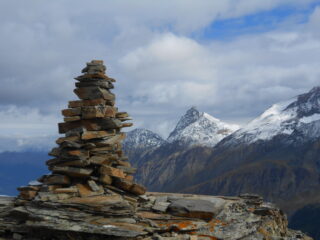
[90,193]
[155,216]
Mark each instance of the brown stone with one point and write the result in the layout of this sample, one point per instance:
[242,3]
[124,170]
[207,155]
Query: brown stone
[75,163]
[94,134]
[110,111]
[78,153]
[123,163]
[93,76]
[70,112]
[55,152]
[87,93]
[122,115]
[128,170]
[75,104]
[129,178]
[66,190]
[91,125]
[101,124]
[84,190]
[138,189]
[94,102]
[93,186]
[115,139]
[63,139]
[106,179]
[93,112]
[126,125]
[28,194]
[29,188]
[100,160]
[114,172]
[72,119]
[123,184]
[56,179]
[73,171]
[67,126]
[97,83]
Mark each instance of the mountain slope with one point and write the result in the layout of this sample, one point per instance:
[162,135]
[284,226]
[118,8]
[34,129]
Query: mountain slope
[276,155]
[200,128]
[299,117]
[138,142]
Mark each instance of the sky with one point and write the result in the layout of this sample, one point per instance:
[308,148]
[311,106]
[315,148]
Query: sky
[231,59]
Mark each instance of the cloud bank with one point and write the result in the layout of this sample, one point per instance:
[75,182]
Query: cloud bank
[160,54]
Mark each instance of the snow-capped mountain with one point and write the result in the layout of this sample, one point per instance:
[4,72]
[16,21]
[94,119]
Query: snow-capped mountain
[200,128]
[142,138]
[298,117]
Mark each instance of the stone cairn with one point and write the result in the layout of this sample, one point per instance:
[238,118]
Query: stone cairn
[88,160]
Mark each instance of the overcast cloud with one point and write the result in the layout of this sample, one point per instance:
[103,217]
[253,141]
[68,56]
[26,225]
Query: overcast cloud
[160,54]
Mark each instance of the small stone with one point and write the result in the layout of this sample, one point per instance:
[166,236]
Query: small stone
[123,184]
[94,134]
[70,112]
[72,171]
[94,187]
[72,119]
[85,191]
[126,125]
[128,170]
[63,139]
[93,112]
[55,152]
[88,93]
[57,179]
[122,115]
[75,104]
[28,194]
[138,189]
[93,102]
[114,172]
[106,179]
[66,190]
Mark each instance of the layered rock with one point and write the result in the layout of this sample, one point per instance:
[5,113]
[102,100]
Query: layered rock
[155,216]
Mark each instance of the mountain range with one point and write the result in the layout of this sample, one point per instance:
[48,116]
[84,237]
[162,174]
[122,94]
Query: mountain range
[276,155]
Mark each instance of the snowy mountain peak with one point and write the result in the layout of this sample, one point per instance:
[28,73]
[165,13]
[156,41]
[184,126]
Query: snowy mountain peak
[191,116]
[299,116]
[200,128]
[142,138]
[307,104]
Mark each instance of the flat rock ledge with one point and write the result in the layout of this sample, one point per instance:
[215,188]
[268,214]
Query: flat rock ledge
[150,216]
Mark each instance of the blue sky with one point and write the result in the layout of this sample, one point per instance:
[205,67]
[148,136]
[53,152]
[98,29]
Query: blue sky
[259,22]
[230,60]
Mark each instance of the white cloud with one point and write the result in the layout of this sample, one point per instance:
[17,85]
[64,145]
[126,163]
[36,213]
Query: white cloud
[148,47]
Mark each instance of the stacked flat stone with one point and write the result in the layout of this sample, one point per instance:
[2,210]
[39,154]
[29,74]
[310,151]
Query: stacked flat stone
[89,159]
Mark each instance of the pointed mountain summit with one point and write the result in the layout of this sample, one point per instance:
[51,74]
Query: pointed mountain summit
[200,128]
[142,138]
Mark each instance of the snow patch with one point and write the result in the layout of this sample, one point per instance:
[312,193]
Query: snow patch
[309,119]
